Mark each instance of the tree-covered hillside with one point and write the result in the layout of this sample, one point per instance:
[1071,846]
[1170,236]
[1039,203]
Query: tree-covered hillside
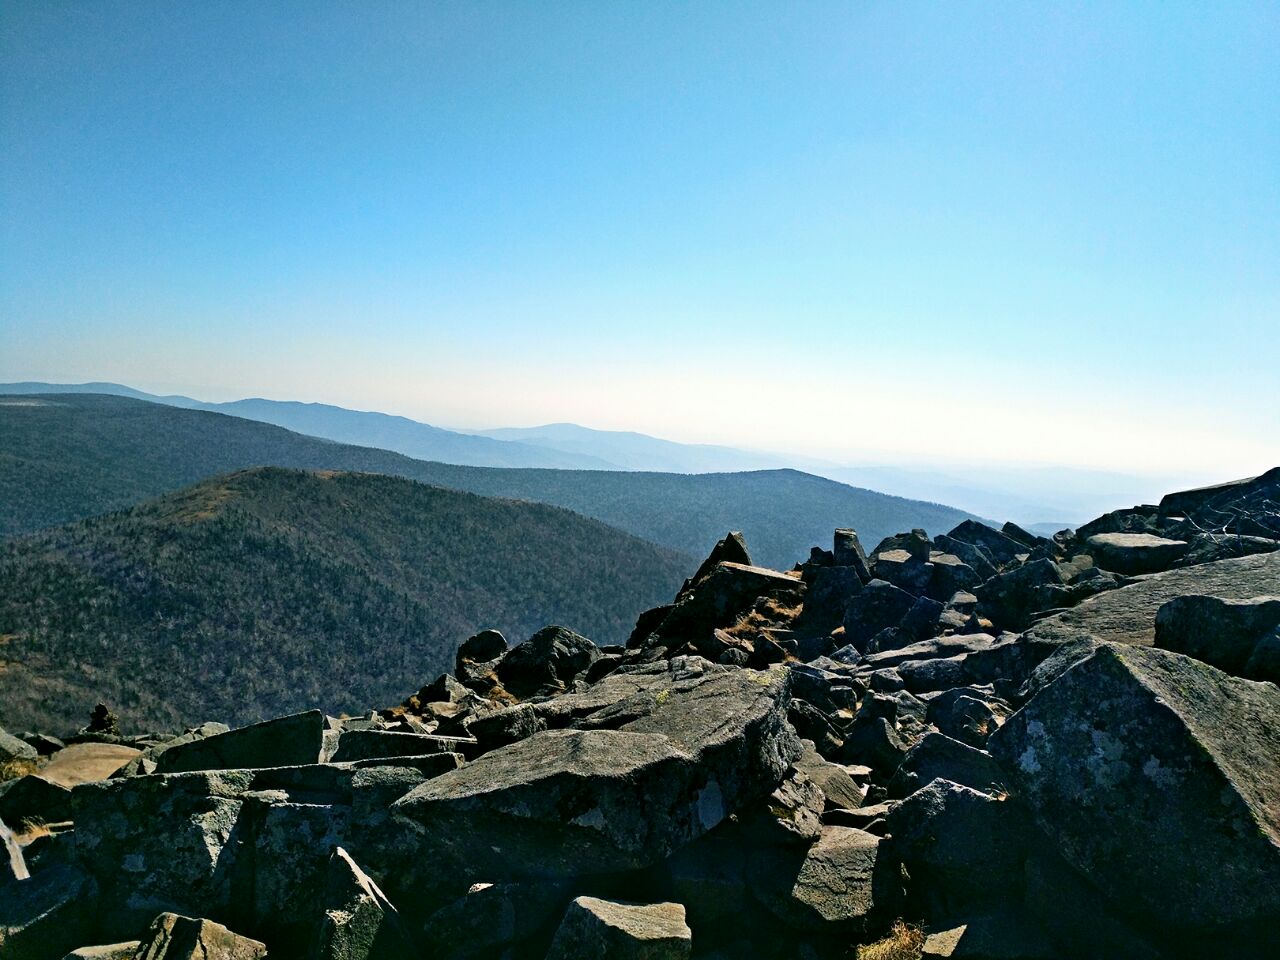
[68,456]
[265,591]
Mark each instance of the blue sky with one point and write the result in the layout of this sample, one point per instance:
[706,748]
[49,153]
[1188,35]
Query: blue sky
[1006,232]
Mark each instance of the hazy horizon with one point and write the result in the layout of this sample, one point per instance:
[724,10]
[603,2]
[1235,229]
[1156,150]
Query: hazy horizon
[886,234]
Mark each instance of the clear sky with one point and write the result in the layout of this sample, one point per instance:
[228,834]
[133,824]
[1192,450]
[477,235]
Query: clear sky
[1024,232]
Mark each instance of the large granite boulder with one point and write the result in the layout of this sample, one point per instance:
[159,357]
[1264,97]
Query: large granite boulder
[1159,778]
[358,921]
[877,606]
[656,771]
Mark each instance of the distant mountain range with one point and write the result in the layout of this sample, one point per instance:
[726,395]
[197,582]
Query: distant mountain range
[64,457]
[266,591]
[419,440]
[1047,498]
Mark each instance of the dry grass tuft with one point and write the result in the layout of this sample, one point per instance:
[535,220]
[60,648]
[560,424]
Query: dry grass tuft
[903,942]
[16,767]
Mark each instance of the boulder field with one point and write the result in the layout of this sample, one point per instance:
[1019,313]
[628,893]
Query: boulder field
[983,744]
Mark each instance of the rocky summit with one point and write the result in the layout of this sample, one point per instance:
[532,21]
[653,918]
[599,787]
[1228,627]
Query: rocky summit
[983,744]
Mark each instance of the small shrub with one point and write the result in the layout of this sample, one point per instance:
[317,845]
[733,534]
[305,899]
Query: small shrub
[16,767]
[903,942]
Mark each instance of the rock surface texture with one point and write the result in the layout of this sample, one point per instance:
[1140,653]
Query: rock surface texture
[984,744]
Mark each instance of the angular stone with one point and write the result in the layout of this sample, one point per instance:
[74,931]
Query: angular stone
[549,660]
[1145,766]
[595,929]
[47,914]
[1224,633]
[506,726]
[174,937]
[903,570]
[828,594]
[14,752]
[359,922]
[160,843]
[964,849]
[1135,553]
[680,758]
[878,605]
[1006,934]
[34,798]
[282,742]
[848,552]
[1000,548]
[485,646]
[840,791]
[723,595]
[1012,599]
[939,757]
[839,886]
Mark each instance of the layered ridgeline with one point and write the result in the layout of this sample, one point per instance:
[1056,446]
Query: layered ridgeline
[67,457]
[262,591]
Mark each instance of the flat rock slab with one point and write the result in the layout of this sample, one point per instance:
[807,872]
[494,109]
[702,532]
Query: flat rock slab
[282,742]
[569,802]
[1159,778]
[1128,615]
[595,929]
[87,763]
[1135,553]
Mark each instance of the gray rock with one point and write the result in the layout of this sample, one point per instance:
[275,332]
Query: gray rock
[125,950]
[506,726]
[560,803]
[485,646]
[160,843]
[839,789]
[34,798]
[840,886]
[964,849]
[12,749]
[595,929]
[999,547]
[47,914]
[827,596]
[282,742]
[1128,615]
[1014,598]
[847,552]
[1135,553]
[731,549]
[1144,766]
[1224,633]
[174,937]
[903,570]
[791,814]
[547,661]
[878,605]
[939,757]
[359,922]
[723,595]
